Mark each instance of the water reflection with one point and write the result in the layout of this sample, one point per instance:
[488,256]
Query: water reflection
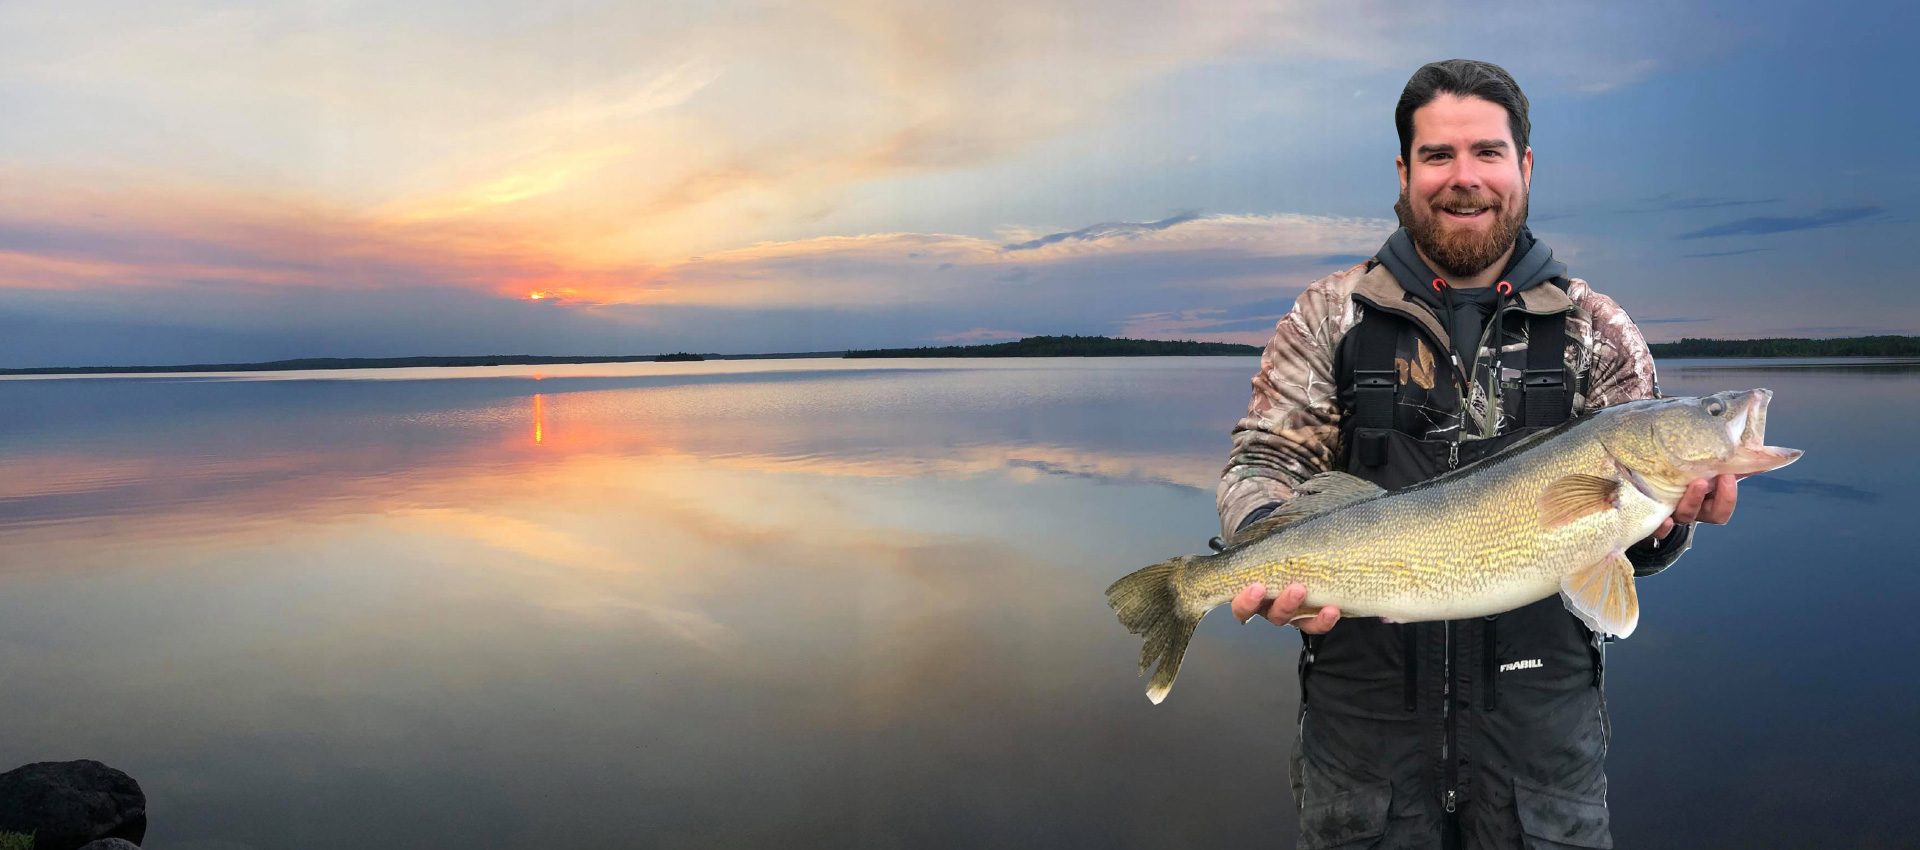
[792,607]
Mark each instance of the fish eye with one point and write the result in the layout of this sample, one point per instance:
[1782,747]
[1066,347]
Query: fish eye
[1716,407]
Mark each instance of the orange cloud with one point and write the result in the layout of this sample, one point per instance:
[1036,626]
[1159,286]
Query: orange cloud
[144,235]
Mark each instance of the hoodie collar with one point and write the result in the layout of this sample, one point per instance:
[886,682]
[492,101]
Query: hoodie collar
[1531,265]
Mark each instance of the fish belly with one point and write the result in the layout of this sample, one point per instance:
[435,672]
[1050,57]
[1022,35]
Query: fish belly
[1493,598]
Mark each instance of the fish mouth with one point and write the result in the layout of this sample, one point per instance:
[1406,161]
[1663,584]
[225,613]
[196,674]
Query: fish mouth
[1747,429]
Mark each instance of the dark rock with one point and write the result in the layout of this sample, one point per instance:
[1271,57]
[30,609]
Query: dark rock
[109,844]
[66,804]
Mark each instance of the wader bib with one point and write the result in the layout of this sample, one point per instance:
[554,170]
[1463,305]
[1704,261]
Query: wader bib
[1480,733]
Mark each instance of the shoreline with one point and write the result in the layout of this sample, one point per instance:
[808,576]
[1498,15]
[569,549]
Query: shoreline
[1846,349]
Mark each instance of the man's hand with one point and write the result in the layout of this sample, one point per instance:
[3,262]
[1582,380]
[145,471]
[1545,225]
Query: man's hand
[1708,500]
[1280,611]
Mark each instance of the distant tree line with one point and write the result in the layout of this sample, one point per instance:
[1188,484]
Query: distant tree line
[1859,346]
[1070,346]
[1033,346]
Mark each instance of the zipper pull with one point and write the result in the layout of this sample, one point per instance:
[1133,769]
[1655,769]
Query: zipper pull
[1453,455]
[1450,801]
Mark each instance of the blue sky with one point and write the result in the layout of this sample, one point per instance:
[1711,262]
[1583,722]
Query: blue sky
[195,182]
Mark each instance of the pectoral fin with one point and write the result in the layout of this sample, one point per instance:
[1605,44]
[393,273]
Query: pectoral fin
[1601,594]
[1571,497]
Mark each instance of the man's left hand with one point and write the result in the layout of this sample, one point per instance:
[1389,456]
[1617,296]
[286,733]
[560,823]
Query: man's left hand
[1707,500]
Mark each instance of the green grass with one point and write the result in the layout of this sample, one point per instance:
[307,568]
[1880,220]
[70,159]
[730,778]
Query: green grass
[15,841]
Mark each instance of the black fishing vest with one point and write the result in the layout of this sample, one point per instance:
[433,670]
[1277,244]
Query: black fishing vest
[1460,733]
[1373,383]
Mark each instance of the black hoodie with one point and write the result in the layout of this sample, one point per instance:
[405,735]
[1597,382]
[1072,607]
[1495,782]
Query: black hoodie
[1465,311]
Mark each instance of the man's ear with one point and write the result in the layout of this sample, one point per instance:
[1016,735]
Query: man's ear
[1526,167]
[1400,165]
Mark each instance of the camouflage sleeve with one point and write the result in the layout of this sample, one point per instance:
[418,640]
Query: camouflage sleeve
[1292,427]
[1620,367]
[1621,370]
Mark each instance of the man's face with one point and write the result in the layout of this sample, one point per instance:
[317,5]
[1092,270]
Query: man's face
[1464,196]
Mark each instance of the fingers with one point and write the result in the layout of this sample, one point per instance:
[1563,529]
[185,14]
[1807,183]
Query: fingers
[1250,601]
[1321,622]
[1718,507]
[1666,528]
[1688,509]
[1708,500]
[1253,602]
[1286,605]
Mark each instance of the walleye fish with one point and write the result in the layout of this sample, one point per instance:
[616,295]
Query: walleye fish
[1552,514]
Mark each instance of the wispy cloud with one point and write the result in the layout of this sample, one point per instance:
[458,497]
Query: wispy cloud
[1726,253]
[1763,225]
[1681,321]
[1105,230]
[1618,75]
[1670,202]
[1113,265]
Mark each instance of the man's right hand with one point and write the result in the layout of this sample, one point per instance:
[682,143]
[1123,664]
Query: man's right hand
[1281,610]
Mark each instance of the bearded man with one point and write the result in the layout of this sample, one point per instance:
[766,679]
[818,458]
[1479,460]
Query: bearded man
[1460,337]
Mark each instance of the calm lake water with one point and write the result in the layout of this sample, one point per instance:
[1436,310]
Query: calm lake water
[831,603]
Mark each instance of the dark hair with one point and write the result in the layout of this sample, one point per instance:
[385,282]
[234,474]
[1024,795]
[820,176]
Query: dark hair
[1466,78]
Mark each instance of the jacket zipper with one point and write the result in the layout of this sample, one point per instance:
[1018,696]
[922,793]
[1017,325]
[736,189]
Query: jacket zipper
[1446,637]
[1446,713]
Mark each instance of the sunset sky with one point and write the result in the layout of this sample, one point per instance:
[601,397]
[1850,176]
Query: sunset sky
[191,182]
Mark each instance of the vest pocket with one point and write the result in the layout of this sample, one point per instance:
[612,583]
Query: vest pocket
[1349,820]
[1553,819]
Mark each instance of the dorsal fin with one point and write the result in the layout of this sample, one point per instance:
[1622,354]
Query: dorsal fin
[1314,496]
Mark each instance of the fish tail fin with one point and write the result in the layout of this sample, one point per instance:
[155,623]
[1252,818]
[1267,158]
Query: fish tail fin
[1148,602]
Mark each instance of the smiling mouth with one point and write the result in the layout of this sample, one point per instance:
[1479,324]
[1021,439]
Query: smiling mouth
[1466,213]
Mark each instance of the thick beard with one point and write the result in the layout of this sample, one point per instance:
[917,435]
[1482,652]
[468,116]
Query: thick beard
[1461,253]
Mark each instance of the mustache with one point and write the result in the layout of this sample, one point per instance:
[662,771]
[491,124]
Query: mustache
[1467,200]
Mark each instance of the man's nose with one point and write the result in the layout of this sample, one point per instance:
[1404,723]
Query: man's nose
[1462,175]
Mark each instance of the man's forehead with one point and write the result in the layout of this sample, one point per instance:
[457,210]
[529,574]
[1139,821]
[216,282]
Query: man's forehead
[1454,120]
